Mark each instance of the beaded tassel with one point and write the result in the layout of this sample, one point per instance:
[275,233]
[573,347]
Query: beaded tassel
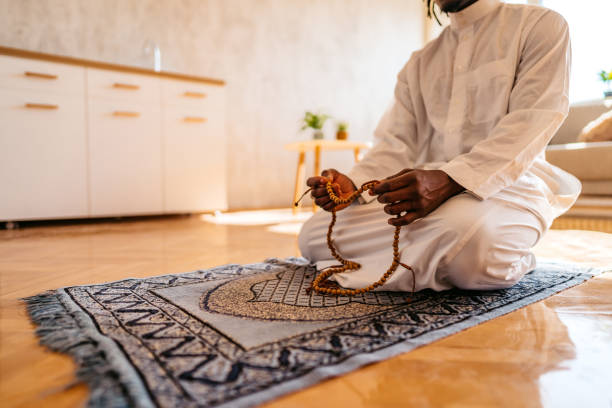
[348,265]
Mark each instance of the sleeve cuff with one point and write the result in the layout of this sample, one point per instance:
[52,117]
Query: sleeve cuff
[459,172]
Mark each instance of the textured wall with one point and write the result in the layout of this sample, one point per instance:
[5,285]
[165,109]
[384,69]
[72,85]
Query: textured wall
[279,58]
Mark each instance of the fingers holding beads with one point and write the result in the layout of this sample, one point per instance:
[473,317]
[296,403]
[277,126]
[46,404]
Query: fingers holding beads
[399,207]
[329,206]
[394,183]
[317,181]
[405,219]
[323,198]
[330,174]
[399,173]
[404,194]
[332,190]
[319,192]
[322,201]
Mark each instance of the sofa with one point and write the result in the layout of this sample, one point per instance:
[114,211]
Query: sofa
[590,162]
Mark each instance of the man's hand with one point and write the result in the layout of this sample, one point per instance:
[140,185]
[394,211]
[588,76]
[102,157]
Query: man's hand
[342,185]
[415,192]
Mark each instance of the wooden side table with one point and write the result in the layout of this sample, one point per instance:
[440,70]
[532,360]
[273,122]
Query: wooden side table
[318,146]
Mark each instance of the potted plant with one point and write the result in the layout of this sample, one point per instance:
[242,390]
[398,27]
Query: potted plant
[341,133]
[315,121]
[606,78]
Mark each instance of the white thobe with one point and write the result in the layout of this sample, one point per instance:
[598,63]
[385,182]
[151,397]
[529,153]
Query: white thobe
[480,102]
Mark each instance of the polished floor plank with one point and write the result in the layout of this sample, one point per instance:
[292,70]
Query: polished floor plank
[526,358]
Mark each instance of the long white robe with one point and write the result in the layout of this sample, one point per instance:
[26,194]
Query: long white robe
[480,102]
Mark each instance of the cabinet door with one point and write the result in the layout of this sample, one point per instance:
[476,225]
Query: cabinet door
[43,171]
[125,158]
[194,161]
[191,95]
[123,86]
[41,76]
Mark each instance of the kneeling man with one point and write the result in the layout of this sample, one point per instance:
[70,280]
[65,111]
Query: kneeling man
[460,154]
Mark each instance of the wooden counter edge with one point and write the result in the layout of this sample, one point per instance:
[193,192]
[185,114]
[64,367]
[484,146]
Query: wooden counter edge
[307,145]
[15,52]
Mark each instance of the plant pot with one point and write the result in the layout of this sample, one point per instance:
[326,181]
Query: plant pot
[318,134]
[341,135]
[607,94]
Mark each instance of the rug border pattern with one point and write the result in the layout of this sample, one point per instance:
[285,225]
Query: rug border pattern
[77,333]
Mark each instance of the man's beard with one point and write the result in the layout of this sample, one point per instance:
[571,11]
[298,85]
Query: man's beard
[456,6]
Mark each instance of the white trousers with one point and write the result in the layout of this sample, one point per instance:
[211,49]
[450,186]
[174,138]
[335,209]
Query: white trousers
[465,243]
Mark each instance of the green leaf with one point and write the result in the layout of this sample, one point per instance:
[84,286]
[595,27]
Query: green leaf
[313,120]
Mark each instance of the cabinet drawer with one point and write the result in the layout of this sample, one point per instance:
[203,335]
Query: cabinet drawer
[43,171]
[103,84]
[194,163]
[23,73]
[192,95]
[125,159]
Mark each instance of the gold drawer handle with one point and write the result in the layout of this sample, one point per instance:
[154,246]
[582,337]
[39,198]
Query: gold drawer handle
[41,106]
[126,86]
[191,94]
[40,75]
[195,119]
[126,114]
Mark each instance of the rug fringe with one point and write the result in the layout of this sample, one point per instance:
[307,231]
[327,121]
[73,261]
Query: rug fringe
[59,330]
[67,327]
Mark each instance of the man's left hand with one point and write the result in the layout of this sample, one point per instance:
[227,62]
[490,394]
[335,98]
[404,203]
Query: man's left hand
[415,193]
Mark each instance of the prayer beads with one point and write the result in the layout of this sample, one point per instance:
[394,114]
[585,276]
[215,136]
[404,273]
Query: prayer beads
[347,265]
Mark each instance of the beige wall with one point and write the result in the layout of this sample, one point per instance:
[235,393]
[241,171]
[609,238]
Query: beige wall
[279,58]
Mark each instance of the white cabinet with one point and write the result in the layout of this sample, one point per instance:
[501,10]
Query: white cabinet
[125,158]
[41,76]
[194,147]
[43,169]
[105,84]
[91,141]
[193,180]
[125,143]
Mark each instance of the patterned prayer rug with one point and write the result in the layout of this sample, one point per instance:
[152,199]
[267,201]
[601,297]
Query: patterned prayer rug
[241,335]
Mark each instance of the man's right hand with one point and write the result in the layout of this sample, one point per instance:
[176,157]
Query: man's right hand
[342,185]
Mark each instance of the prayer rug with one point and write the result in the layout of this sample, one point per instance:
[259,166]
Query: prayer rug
[239,335]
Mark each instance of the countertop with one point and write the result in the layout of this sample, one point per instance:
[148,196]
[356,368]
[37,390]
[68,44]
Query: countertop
[15,52]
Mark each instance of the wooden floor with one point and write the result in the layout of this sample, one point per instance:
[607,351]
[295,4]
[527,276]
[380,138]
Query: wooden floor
[553,353]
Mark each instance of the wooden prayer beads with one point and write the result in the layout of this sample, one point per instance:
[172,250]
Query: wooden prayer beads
[348,265]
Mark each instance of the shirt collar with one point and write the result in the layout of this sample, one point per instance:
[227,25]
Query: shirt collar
[473,12]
